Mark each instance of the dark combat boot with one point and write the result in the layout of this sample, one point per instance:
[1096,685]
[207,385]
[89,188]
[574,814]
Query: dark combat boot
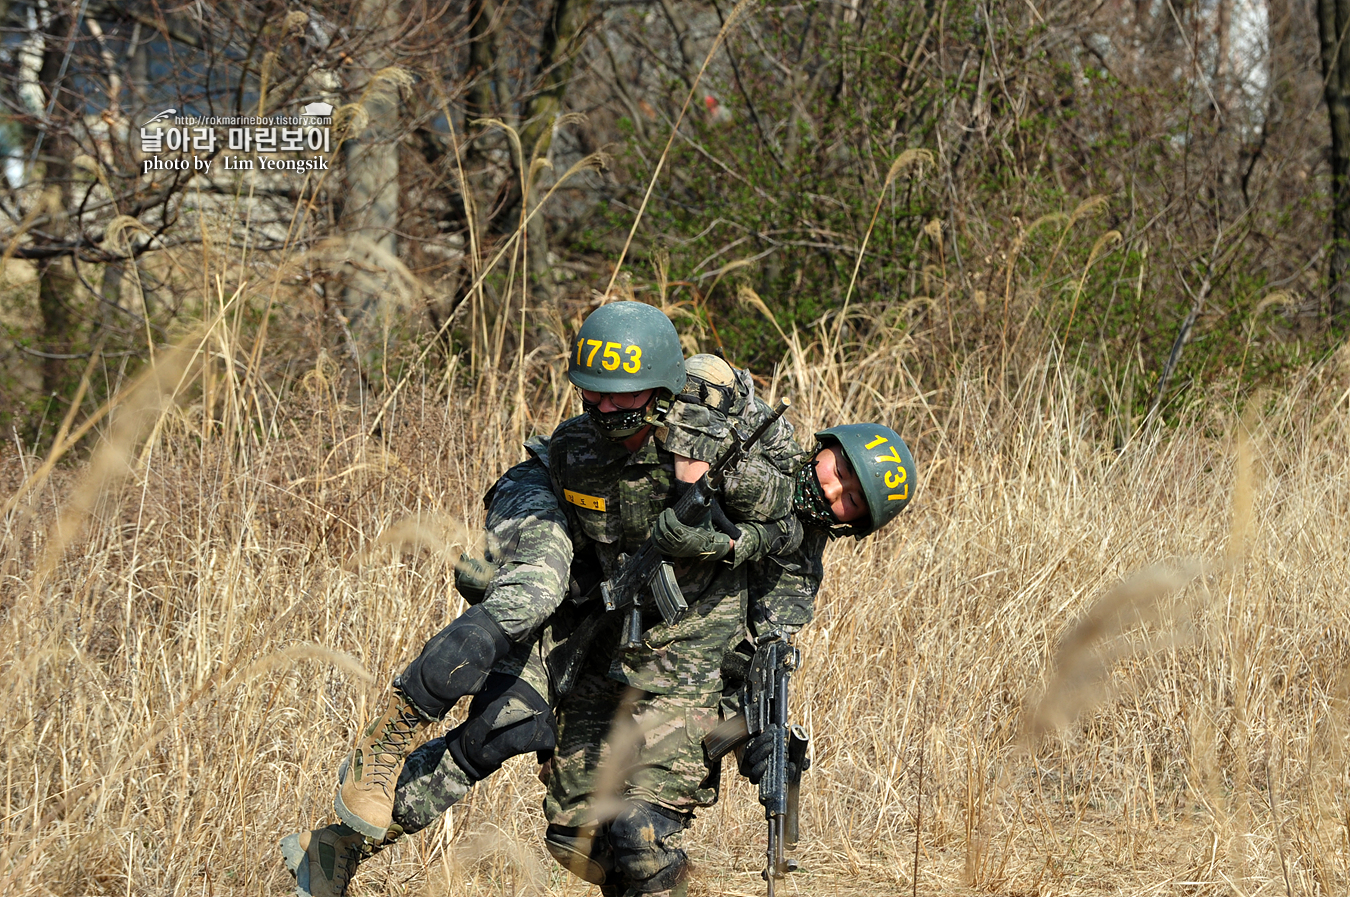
[323,861]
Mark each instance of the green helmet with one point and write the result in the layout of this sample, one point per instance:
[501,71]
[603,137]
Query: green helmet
[884,466]
[626,347]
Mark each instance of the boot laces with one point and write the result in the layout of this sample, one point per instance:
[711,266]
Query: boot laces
[353,852]
[388,750]
[356,851]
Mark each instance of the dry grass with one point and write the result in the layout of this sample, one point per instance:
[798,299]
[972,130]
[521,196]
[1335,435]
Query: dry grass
[1127,672]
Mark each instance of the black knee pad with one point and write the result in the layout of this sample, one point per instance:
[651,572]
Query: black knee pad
[506,718]
[641,855]
[454,663]
[583,852]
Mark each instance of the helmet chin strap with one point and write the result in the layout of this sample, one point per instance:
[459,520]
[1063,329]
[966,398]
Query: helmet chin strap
[809,498]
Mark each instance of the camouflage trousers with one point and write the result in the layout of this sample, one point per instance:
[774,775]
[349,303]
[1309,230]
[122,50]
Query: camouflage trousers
[629,762]
[641,739]
[617,743]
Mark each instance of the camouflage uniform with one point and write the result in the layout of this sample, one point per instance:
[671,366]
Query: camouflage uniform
[647,739]
[638,716]
[676,663]
[528,536]
[783,584]
[761,487]
[639,724]
[664,692]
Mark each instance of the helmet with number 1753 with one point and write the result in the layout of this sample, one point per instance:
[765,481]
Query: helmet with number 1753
[626,347]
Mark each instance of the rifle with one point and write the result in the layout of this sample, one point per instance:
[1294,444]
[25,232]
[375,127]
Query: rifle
[764,707]
[647,569]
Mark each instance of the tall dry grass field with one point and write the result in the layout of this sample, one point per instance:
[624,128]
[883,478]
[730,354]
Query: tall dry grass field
[1067,669]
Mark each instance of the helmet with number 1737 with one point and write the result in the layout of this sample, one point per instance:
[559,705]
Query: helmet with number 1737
[885,470]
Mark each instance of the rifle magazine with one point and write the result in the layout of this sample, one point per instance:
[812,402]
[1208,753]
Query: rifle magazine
[729,735]
[669,598]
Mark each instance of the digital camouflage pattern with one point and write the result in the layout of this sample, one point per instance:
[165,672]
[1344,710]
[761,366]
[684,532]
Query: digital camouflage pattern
[783,587]
[612,499]
[528,535]
[620,743]
[431,781]
[761,488]
[667,688]
[528,543]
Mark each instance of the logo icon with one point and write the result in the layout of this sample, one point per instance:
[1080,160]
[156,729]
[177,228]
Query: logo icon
[318,110]
[164,114]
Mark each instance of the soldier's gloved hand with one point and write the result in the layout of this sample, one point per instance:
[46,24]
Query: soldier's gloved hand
[759,540]
[472,576]
[750,544]
[758,753]
[679,540]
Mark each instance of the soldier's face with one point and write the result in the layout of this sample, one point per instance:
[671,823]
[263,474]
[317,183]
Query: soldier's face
[841,485]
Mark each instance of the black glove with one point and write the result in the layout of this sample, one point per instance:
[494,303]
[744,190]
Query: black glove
[722,522]
[736,666]
[758,752]
[679,540]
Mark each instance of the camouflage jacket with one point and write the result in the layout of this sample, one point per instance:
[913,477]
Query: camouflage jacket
[528,543]
[612,498]
[761,488]
[783,586]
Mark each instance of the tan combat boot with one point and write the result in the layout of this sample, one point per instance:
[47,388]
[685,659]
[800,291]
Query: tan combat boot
[365,793]
[323,861]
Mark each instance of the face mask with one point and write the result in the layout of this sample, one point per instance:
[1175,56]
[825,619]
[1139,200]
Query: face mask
[809,501]
[619,424]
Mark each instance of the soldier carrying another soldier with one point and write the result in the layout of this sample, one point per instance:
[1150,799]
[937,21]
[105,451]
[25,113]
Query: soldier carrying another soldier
[857,479]
[615,479]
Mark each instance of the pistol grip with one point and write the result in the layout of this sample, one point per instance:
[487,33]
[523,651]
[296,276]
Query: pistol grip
[632,628]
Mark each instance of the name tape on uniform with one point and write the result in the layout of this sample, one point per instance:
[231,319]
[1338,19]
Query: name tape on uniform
[592,502]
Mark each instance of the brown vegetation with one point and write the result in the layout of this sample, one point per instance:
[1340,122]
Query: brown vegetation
[191,647]
[1105,650]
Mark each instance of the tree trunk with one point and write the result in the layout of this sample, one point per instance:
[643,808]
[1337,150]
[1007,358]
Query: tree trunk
[558,51]
[370,217]
[1333,20]
[479,101]
[56,282]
